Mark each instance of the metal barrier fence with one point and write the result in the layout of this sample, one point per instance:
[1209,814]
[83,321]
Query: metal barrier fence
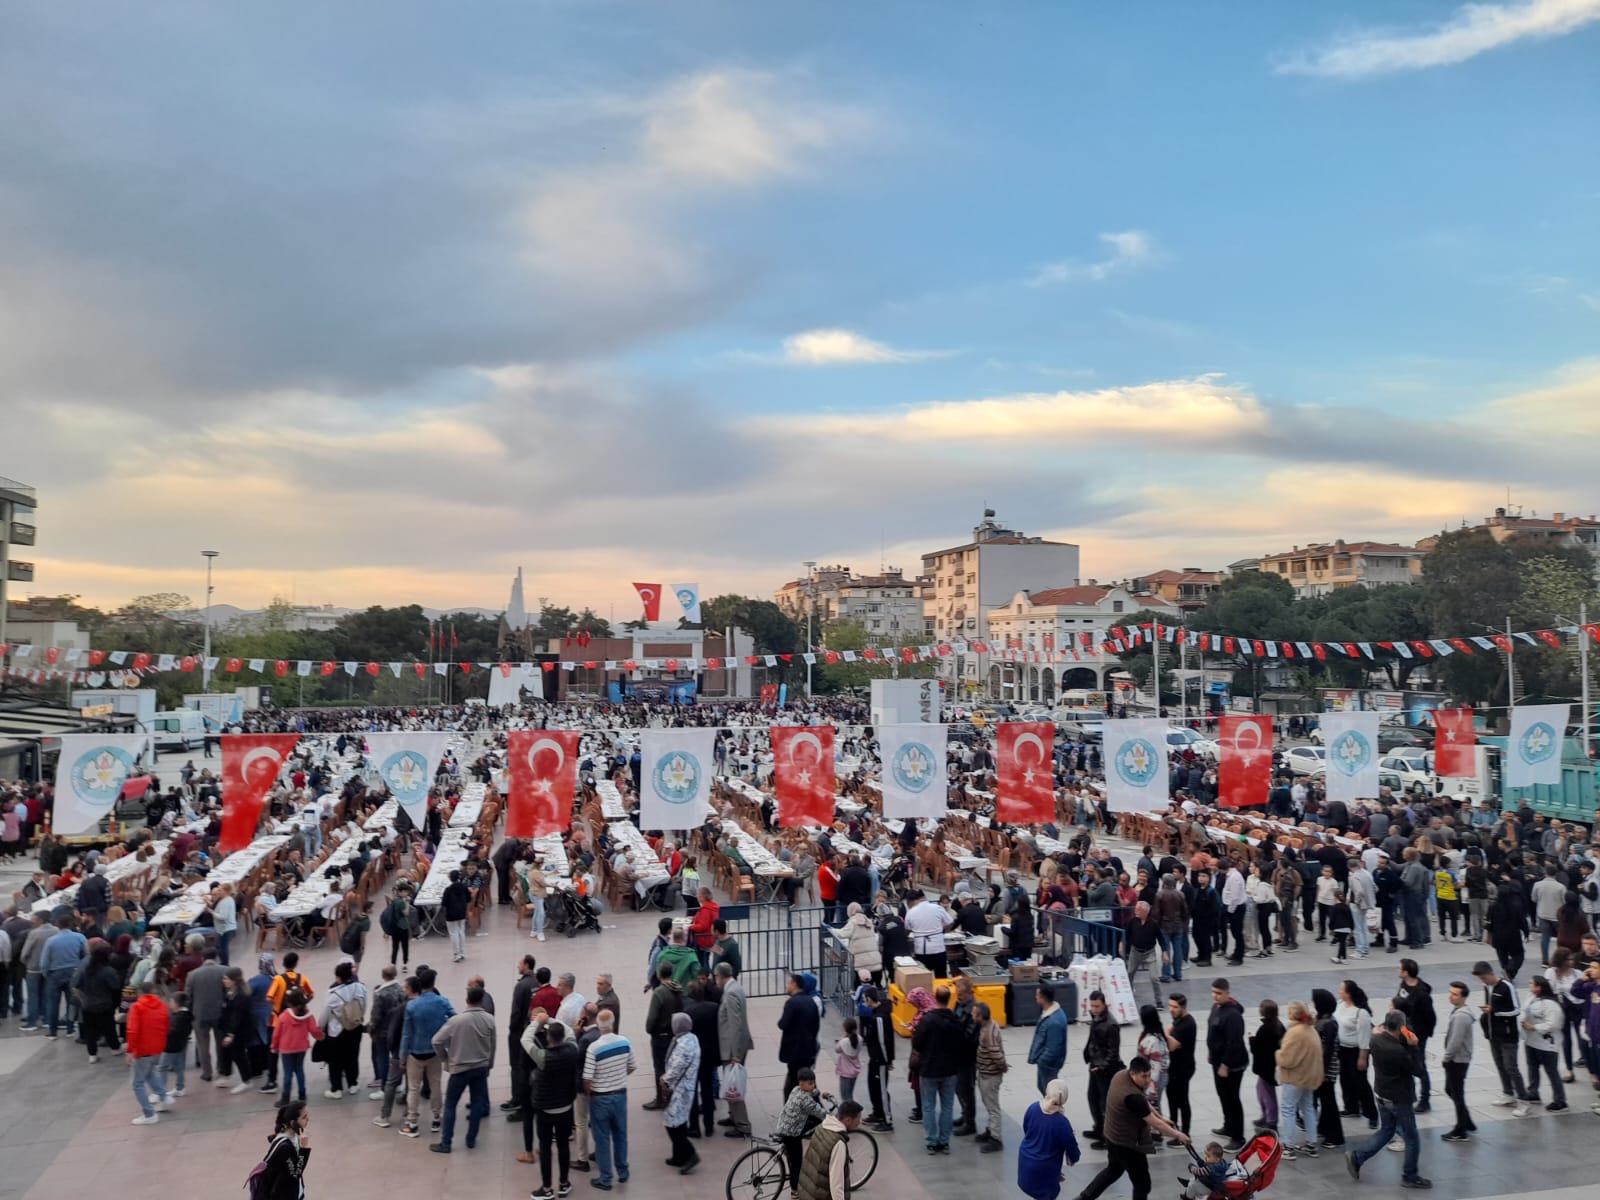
[1064,936]
[776,941]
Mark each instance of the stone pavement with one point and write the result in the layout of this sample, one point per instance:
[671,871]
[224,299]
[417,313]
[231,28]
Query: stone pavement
[66,1129]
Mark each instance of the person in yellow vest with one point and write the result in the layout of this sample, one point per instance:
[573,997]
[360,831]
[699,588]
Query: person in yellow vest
[1130,1127]
[825,1170]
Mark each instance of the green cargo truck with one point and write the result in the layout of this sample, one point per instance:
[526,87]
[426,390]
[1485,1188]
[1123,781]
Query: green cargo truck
[1573,799]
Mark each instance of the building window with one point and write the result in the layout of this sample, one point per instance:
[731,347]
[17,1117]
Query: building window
[1116,606]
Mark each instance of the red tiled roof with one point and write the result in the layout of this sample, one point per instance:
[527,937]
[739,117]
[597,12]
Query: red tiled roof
[1068,596]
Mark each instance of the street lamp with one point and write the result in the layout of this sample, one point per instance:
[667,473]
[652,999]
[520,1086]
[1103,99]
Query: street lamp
[205,661]
[811,606]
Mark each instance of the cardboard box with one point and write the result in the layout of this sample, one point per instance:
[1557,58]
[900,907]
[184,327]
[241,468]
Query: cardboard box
[1025,972]
[916,976]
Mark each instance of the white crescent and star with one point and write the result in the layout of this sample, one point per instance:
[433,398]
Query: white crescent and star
[804,739]
[260,752]
[1024,739]
[1245,751]
[543,783]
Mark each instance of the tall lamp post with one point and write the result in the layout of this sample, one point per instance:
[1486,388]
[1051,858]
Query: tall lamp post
[205,661]
[811,608]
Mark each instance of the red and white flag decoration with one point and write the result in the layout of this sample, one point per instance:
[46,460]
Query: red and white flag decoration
[1245,772]
[802,771]
[251,763]
[543,768]
[650,597]
[1453,740]
[1025,791]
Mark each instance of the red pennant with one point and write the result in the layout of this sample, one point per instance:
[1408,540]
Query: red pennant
[830,656]
[1227,644]
[1423,649]
[420,668]
[870,654]
[1462,645]
[1352,649]
[786,657]
[141,662]
[372,668]
[549,666]
[1592,630]
[1288,650]
[1548,636]
[629,664]
[591,665]
[466,667]
[1025,768]
[751,660]
[250,766]
[542,768]
[802,773]
[187,664]
[234,666]
[672,664]
[1502,641]
[52,654]
[1453,740]
[328,668]
[1245,772]
[96,657]
[281,667]
[1260,649]
[713,664]
[1320,651]
[505,670]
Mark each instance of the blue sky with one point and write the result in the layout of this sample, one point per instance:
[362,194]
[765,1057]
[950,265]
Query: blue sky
[619,291]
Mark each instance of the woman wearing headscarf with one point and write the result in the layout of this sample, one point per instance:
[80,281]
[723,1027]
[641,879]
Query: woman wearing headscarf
[678,1081]
[1047,1138]
[260,985]
[1330,1128]
[922,1000]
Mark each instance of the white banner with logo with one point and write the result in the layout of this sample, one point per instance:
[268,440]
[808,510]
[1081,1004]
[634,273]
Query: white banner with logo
[915,781]
[1350,748]
[676,766]
[1136,764]
[89,777]
[407,763]
[1533,752]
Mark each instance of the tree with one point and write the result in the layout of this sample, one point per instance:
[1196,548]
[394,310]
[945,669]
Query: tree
[1555,591]
[1259,605]
[1140,661]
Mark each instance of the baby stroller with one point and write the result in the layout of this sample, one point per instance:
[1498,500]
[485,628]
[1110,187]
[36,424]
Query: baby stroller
[574,913]
[897,879]
[1252,1171]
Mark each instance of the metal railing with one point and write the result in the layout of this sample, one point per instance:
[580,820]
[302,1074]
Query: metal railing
[776,941]
[1082,933]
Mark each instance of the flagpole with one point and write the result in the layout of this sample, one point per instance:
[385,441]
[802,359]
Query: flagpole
[1583,670]
[1511,671]
[1155,651]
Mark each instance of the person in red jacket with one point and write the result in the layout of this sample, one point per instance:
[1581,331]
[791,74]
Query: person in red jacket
[828,888]
[701,935]
[147,1041]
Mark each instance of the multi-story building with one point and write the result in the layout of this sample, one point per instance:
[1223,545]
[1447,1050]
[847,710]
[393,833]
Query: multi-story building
[18,502]
[970,580]
[1558,529]
[1323,568]
[1054,621]
[888,606]
[1189,589]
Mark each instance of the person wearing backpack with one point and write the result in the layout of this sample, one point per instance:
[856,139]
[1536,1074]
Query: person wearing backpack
[344,1018]
[397,920]
[353,941]
[281,1174]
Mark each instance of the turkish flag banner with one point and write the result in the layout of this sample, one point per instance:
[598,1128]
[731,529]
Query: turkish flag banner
[802,772]
[96,657]
[1245,775]
[141,662]
[650,597]
[281,667]
[250,766]
[1024,758]
[542,765]
[235,665]
[1453,740]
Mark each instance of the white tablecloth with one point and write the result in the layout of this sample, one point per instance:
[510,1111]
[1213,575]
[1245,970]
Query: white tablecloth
[308,897]
[452,853]
[185,908]
[648,870]
[760,860]
[122,868]
[612,806]
[469,808]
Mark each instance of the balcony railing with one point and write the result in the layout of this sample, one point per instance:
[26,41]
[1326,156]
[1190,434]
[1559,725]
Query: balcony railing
[22,535]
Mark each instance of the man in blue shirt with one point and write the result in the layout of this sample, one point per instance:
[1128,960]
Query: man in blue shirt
[62,954]
[1048,1053]
[424,1017]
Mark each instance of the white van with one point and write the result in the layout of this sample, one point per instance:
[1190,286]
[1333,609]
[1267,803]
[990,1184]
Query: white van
[179,729]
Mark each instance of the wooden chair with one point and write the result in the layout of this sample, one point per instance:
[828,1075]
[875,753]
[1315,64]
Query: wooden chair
[746,885]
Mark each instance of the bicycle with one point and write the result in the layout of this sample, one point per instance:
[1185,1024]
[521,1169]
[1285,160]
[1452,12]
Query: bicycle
[762,1172]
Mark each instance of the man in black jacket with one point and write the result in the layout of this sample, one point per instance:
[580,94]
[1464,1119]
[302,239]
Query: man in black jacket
[878,1033]
[1102,1050]
[1395,1063]
[1229,1055]
[799,1023]
[1206,907]
[559,1065]
[1414,999]
[938,1043]
[855,886]
[517,1021]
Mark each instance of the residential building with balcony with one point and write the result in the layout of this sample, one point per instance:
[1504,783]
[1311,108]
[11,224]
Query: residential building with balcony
[888,605]
[1323,568]
[1054,621]
[972,579]
[18,504]
[1558,529]
[1189,589]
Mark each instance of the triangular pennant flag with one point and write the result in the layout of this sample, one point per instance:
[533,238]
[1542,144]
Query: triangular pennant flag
[258,664]
[1549,637]
[394,669]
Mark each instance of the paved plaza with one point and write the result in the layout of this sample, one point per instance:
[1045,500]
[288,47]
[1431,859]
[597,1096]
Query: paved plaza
[67,1130]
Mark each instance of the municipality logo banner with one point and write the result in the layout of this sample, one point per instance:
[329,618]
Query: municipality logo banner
[407,764]
[1533,752]
[1136,764]
[675,773]
[89,777]
[1350,748]
[915,779]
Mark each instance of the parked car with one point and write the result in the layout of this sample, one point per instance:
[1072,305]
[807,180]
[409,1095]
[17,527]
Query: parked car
[1387,779]
[1305,760]
[1182,737]
[1411,771]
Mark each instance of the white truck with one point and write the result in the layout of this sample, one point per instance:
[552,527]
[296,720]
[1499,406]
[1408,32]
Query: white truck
[179,729]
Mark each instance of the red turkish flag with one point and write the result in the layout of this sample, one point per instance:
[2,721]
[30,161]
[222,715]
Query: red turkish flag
[1501,640]
[907,654]
[141,662]
[372,668]
[830,656]
[802,771]
[250,766]
[327,668]
[1245,775]
[672,664]
[1024,758]
[421,669]
[234,666]
[1549,637]
[1453,740]
[650,597]
[543,768]
[52,655]
[188,663]
[629,664]
[713,664]
[96,657]
[281,667]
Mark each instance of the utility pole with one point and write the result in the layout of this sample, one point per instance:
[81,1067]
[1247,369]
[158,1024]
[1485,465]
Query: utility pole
[1155,654]
[1511,673]
[205,661]
[1583,671]
[811,608]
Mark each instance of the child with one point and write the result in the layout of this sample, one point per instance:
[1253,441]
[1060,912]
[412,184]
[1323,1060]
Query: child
[801,1112]
[291,1038]
[1342,924]
[1264,1043]
[1208,1176]
[847,1058]
[179,1027]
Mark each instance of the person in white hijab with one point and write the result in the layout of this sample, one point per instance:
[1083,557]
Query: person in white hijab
[1047,1139]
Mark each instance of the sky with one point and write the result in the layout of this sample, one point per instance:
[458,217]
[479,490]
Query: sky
[382,302]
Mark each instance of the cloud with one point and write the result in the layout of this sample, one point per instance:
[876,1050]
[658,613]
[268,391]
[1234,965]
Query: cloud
[1129,249]
[835,348]
[1472,29]
[1203,410]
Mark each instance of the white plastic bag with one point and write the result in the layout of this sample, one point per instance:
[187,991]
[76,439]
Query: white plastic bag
[735,1079]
